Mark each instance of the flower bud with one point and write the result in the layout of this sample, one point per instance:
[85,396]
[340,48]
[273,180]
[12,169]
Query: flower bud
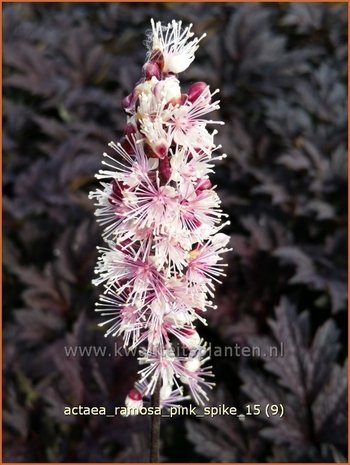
[161,149]
[133,401]
[128,102]
[151,69]
[203,184]
[196,90]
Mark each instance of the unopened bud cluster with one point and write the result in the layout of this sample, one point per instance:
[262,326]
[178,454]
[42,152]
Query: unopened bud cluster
[162,220]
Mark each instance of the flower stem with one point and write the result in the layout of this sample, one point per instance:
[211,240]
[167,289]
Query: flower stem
[155,425]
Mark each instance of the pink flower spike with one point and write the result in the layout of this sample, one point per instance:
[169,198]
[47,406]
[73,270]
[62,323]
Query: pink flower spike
[162,221]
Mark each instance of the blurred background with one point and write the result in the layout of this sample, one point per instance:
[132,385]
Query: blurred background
[282,71]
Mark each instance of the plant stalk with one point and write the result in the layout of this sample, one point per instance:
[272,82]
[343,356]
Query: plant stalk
[155,425]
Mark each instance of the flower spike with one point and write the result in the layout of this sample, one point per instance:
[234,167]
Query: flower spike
[162,224]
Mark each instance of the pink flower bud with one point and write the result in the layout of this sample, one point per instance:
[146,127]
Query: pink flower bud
[128,102]
[133,401]
[151,69]
[203,184]
[196,90]
[161,150]
[134,395]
